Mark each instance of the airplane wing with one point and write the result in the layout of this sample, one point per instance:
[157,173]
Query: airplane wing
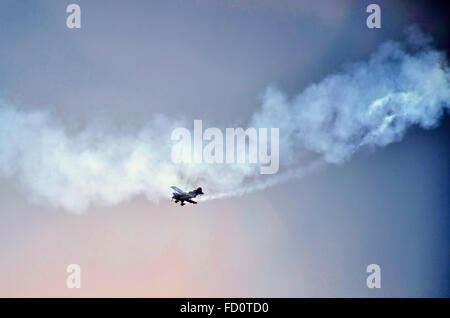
[177,189]
[191,201]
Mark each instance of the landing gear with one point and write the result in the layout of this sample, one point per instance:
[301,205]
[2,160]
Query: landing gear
[176,201]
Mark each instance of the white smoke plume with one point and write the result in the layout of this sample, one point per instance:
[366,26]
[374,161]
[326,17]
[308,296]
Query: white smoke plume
[370,103]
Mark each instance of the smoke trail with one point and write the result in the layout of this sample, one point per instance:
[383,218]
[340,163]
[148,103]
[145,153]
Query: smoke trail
[370,103]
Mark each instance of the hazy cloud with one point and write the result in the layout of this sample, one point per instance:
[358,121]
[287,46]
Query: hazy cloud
[370,103]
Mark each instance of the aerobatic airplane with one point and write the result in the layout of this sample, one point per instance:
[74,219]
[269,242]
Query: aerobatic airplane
[181,196]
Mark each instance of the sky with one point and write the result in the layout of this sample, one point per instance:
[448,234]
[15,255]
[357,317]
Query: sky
[213,60]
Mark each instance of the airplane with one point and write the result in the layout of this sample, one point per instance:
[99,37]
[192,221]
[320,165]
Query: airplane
[182,196]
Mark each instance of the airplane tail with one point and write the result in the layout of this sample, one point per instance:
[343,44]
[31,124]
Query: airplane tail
[199,191]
